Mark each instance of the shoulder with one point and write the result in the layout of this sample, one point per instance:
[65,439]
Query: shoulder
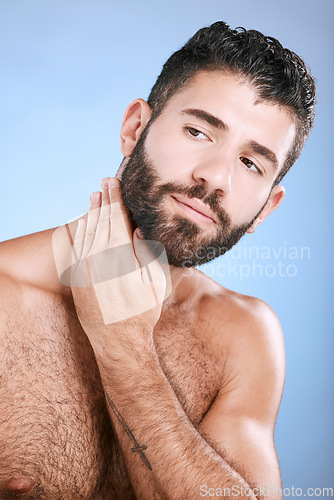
[250,317]
[10,302]
[10,288]
[248,334]
[10,271]
[18,286]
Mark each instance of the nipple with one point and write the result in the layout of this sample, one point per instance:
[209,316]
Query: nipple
[19,485]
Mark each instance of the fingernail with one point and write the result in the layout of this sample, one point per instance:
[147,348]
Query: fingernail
[139,233]
[112,183]
[81,223]
[95,197]
[104,183]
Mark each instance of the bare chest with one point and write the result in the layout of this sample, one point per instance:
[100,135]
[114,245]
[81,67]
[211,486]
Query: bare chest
[54,426]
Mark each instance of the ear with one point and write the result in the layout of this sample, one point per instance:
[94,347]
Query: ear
[275,199]
[136,116]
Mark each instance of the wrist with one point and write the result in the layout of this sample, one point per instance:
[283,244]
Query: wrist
[126,349]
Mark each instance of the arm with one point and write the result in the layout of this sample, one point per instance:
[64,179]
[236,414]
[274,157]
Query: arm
[172,460]
[234,442]
[166,456]
[241,421]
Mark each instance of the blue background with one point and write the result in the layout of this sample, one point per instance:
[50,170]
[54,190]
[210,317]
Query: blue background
[69,69]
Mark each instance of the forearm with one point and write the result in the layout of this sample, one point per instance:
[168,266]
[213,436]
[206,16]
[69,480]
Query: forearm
[165,455]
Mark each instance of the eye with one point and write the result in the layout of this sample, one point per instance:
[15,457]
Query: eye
[193,132]
[250,165]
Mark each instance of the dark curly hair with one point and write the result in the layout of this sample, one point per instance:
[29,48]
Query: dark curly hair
[277,74]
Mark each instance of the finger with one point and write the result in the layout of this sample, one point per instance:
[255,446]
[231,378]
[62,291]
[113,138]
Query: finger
[92,221]
[121,225]
[67,245]
[77,273]
[103,229]
[79,240]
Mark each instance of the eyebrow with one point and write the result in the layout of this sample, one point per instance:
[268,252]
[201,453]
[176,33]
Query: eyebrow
[207,117]
[265,152]
[216,122]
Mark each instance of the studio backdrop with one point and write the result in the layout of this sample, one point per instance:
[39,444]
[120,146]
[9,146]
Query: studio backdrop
[68,71]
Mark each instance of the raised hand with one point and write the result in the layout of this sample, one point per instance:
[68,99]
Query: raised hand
[116,280]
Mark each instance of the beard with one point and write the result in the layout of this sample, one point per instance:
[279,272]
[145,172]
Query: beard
[184,242]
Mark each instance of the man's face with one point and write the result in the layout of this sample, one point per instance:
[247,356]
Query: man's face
[201,173]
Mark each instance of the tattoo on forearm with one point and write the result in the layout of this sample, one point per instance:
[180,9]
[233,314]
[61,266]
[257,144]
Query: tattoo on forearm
[137,447]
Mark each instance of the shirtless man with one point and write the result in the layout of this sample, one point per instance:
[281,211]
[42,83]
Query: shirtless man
[103,400]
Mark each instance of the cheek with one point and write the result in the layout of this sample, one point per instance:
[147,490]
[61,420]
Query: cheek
[170,163]
[246,203]
[159,143]
[170,156]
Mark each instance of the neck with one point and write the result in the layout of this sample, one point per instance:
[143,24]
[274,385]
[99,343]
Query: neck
[183,282]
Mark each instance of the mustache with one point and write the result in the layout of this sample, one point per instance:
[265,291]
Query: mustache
[200,192]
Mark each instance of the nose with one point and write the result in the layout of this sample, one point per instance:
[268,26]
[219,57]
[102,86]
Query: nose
[215,175]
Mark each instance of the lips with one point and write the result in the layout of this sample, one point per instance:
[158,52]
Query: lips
[197,207]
